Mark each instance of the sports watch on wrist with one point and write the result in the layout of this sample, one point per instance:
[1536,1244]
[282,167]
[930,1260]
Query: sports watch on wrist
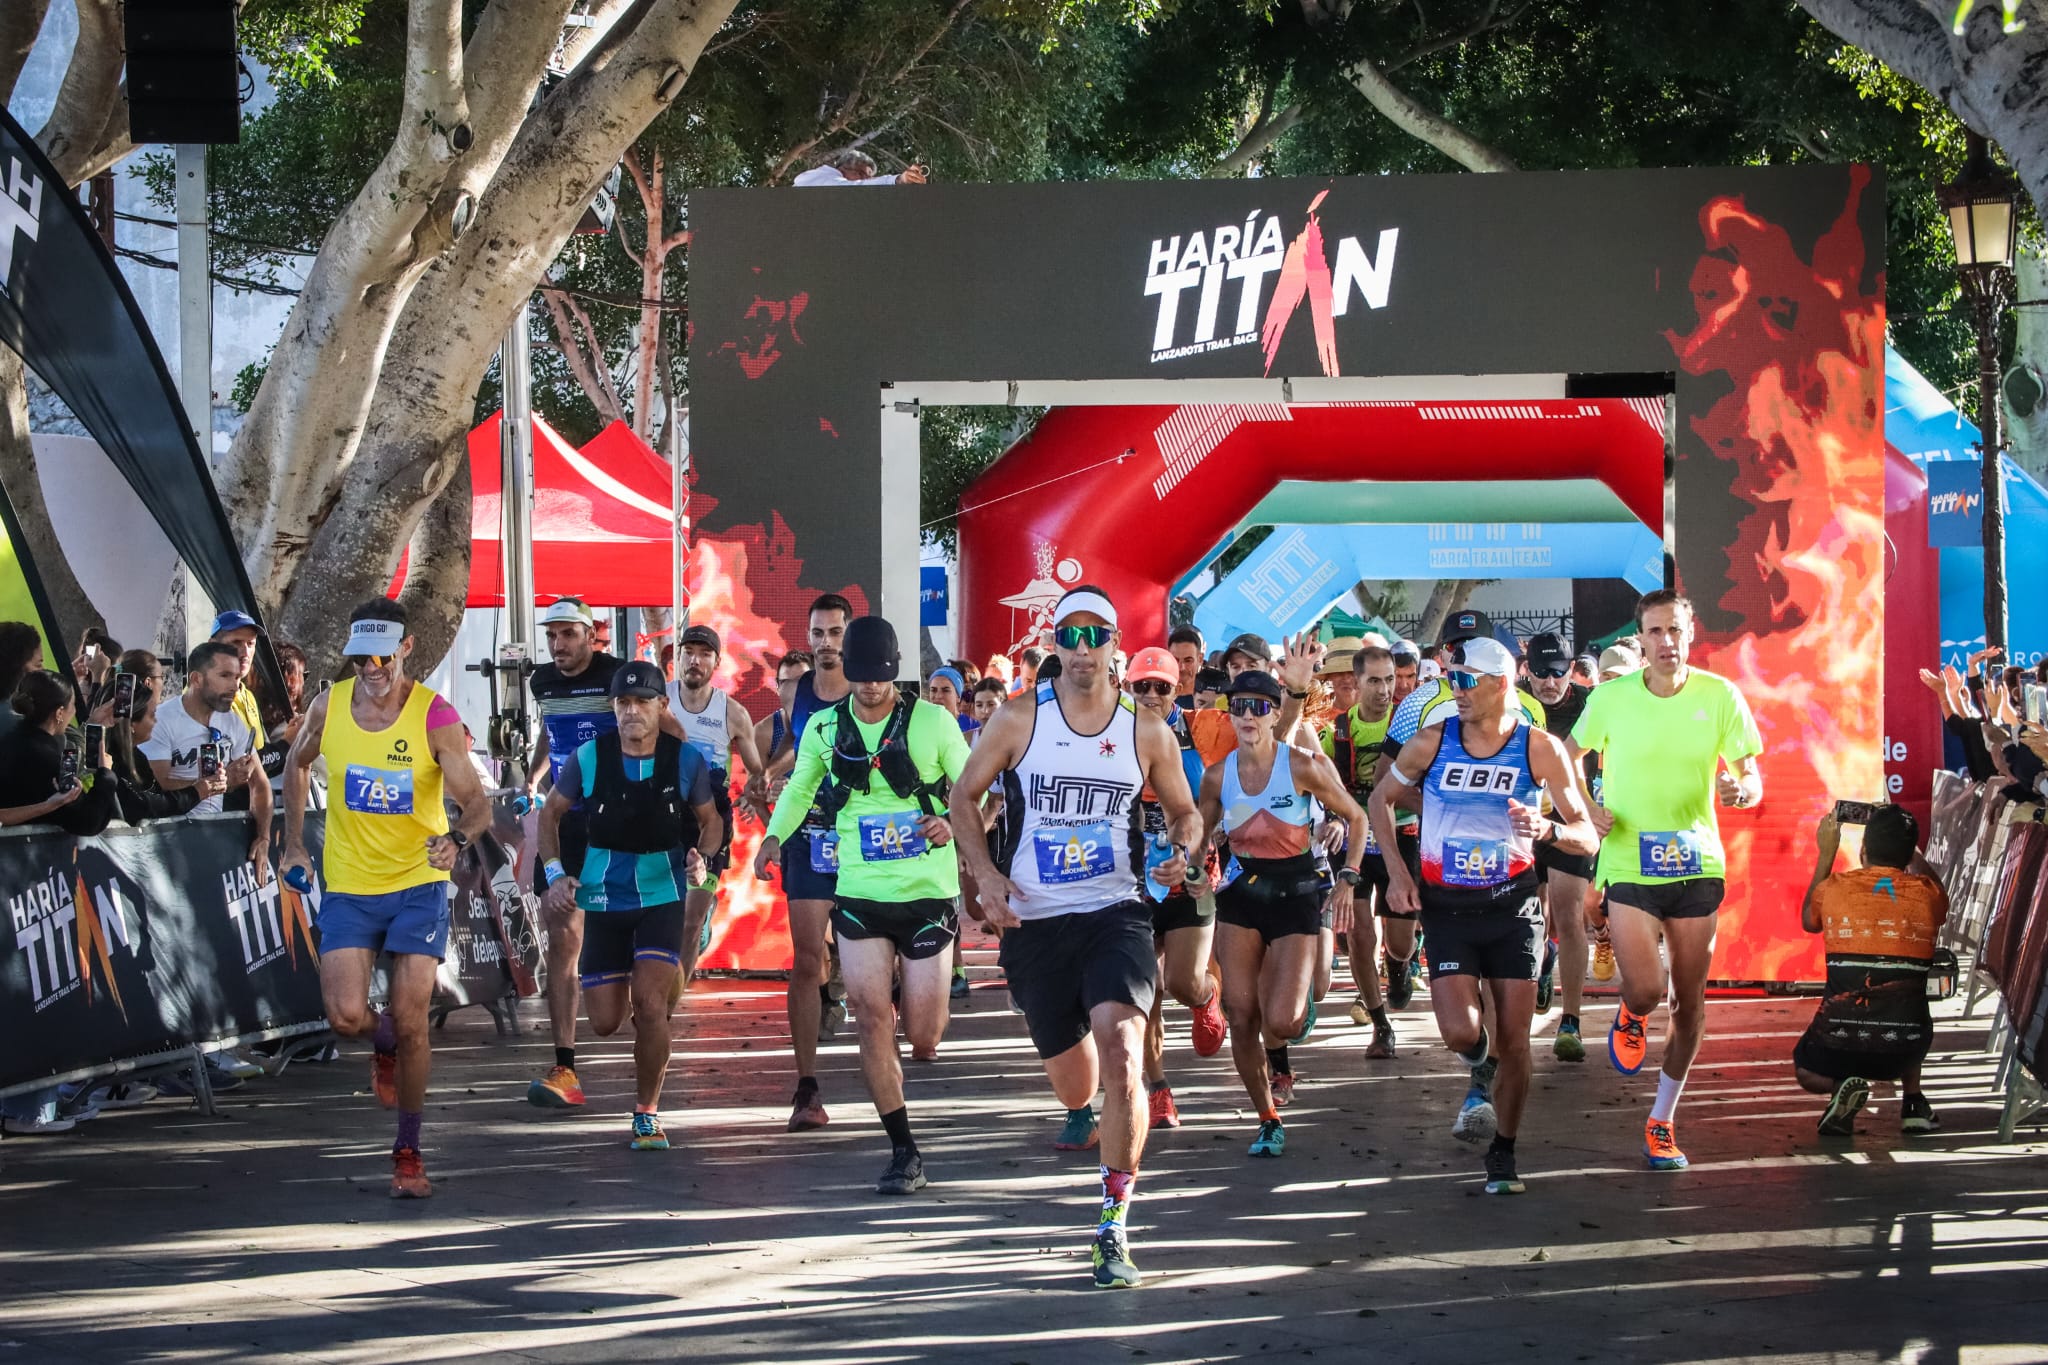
[1350,876]
[458,838]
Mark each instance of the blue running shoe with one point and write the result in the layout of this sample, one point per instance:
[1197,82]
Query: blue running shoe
[647,1133]
[1078,1134]
[1308,1026]
[1546,980]
[1271,1141]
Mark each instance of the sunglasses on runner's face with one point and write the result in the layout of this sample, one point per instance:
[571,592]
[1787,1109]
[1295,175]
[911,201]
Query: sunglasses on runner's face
[1551,671]
[371,660]
[1250,706]
[1151,687]
[1083,637]
[1464,681]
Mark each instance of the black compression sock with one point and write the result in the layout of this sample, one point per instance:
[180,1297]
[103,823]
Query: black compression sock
[1379,1016]
[807,1083]
[1276,1061]
[1503,1143]
[897,1124]
[1477,1056]
[566,1056]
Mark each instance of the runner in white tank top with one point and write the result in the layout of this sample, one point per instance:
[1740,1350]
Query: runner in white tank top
[1074,756]
[718,727]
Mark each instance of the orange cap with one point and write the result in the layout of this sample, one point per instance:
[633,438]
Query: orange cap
[1153,663]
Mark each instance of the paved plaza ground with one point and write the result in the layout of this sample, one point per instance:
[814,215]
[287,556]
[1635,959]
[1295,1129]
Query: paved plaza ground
[264,1234]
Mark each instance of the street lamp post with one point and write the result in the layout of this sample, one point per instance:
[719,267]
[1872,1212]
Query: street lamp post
[1981,204]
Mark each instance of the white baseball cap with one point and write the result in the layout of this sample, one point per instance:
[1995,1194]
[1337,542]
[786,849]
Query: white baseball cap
[381,638]
[1482,655]
[570,610]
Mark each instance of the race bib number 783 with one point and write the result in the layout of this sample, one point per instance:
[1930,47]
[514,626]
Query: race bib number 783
[375,791]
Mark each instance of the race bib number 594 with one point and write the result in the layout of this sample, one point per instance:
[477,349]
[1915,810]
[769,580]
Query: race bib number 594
[374,791]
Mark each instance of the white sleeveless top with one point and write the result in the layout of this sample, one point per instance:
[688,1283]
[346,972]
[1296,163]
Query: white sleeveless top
[1071,814]
[705,730]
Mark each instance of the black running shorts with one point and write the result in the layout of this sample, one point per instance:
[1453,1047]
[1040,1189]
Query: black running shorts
[1060,968]
[1275,900]
[1502,944]
[1814,1053]
[1180,911]
[1550,856]
[919,928]
[613,940]
[1374,871]
[1692,898]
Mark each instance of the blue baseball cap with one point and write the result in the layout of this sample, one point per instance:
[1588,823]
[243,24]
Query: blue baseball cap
[233,620]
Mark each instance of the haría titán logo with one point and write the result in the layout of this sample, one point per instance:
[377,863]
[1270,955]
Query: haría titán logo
[1235,260]
[66,931]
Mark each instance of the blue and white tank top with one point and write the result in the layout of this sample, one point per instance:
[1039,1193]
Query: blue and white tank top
[1471,856]
[1072,813]
[706,730]
[1272,823]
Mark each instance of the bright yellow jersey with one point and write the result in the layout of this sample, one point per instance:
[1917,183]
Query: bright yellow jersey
[384,798]
[249,713]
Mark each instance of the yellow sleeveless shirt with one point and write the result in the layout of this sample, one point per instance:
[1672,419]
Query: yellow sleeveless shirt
[384,798]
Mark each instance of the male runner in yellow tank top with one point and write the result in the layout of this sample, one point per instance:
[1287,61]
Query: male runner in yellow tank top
[393,747]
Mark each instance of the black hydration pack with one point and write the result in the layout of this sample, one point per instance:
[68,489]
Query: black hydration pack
[650,816]
[854,768]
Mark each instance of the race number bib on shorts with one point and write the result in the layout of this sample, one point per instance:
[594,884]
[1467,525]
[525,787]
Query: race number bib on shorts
[1232,870]
[825,851]
[1475,862]
[1677,854]
[373,791]
[884,838]
[1372,838]
[1074,855]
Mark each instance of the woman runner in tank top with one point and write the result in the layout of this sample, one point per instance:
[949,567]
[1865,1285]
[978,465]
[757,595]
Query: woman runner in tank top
[1270,899]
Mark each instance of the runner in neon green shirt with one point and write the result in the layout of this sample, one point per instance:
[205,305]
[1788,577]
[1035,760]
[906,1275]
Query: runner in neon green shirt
[883,762]
[1671,739]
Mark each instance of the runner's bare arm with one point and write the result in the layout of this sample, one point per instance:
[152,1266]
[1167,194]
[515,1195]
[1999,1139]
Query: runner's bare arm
[260,805]
[298,777]
[1404,774]
[1572,823]
[1827,843]
[550,834]
[1159,756]
[1003,741]
[1211,802]
[1742,782]
[460,782]
[710,830]
[740,726]
[538,764]
[1327,787]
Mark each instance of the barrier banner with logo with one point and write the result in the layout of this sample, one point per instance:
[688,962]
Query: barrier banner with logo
[141,941]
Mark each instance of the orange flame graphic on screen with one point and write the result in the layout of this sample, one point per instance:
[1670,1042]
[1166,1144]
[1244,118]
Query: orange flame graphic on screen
[1304,273]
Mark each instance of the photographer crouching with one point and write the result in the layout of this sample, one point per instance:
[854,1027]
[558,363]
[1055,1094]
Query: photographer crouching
[1879,922]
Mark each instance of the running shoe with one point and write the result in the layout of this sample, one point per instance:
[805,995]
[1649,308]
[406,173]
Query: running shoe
[559,1089]
[408,1176]
[1164,1114]
[1627,1044]
[384,1079]
[647,1133]
[1361,1014]
[1400,979]
[1839,1120]
[1661,1147]
[1114,1268]
[126,1095]
[1500,1173]
[1080,1132]
[807,1110]
[1569,1047]
[1475,1122]
[1283,1089]
[1603,958]
[1207,1026]
[1271,1141]
[905,1174]
[959,986]
[1382,1044]
[45,1120]
[1546,980]
[924,1054]
[1916,1115]
[1308,1026]
[830,1020]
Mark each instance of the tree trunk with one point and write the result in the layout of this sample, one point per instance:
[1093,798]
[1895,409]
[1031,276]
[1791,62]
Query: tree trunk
[2024,394]
[436,584]
[20,22]
[1449,595]
[74,609]
[444,340]
[78,118]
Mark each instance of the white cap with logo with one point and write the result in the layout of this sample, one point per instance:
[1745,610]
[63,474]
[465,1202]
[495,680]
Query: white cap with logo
[569,610]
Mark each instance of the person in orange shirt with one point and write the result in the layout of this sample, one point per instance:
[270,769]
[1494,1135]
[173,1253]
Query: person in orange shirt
[1880,922]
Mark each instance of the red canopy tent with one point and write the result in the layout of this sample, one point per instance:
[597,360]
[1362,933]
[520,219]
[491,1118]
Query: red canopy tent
[602,528]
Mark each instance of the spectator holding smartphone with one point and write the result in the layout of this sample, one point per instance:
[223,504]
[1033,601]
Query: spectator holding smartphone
[138,794]
[197,734]
[1879,922]
[39,783]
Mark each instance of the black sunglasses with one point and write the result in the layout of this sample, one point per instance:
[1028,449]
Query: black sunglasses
[1151,687]
[1250,706]
[1550,671]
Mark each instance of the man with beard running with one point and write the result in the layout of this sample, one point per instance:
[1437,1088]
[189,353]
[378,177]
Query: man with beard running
[889,758]
[1353,744]
[393,747]
[717,726]
[1567,878]
[1269,900]
[1672,739]
[1184,923]
[810,859]
[1074,756]
[1481,776]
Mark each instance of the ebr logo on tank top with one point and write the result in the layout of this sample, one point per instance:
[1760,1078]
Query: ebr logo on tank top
[1489,778]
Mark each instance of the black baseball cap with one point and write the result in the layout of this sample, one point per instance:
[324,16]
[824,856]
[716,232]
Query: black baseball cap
[870,653]
[703,635]
[638,678]
[1548,655]
[1464,625]
[1211,680]
[1254,682]
[1254,645]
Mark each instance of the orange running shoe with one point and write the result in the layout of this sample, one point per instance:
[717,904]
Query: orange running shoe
[807,1110]
[1283,1089]
[408,1176]
[1661,1147]
[559,1089]
[1627,1042]
[1164,1115]
[1209,1026]
[384,1078]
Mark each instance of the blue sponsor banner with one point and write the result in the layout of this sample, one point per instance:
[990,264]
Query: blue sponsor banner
[1955,504]
[934,597]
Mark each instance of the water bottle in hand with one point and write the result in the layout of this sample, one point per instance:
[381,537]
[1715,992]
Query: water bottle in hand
[299,880]
[1158,851]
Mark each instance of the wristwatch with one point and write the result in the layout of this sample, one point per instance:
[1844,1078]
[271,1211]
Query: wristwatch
[458,838]
[1350,876]
[1298,696]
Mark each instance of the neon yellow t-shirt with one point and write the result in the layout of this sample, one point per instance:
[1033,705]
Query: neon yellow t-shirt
[1658,760]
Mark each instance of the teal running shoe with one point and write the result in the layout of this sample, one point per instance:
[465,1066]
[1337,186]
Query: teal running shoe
[1308,1026]
[1078,1134]
[647,1133]
[1271,1141]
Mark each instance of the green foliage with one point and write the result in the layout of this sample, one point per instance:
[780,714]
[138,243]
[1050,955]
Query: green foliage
[297,39]
[956,446]
[246,383]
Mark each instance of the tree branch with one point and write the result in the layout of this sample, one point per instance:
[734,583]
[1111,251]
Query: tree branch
[1269,129]
[20,22]
[586,364]
[1406,113]
[72,134]
[1903,35]
[855,100]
